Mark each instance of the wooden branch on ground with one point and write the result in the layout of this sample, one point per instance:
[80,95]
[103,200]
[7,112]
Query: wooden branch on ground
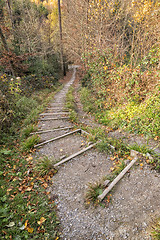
[56,109]
[56,138]
[84,132]
[50,114]
[117,179]
[51,130]
[49,119]
[74,155]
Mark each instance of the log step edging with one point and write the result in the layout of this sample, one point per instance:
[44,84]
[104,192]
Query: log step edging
[117,179]
[51,130]
[50,114]
[75,155]
[57,138]
[50,119]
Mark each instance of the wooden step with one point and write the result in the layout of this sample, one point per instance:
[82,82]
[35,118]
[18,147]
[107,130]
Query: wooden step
[49,119]
[56,138]
[51,130]
[74,155]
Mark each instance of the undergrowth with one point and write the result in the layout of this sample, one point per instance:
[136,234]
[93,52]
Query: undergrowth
[27,210]
[146,113]
[140,118]
[123,96]
[44,165]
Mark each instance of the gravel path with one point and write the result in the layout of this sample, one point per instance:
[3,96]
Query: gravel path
[135,199]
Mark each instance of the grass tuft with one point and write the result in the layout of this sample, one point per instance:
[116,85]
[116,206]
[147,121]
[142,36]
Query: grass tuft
[94,190]
[29,143]
[25,132]
[44,165]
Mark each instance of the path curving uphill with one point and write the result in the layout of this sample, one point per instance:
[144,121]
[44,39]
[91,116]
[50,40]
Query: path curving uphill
[135,199]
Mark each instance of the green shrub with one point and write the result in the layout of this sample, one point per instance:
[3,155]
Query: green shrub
[73,116]
[32,117]
[70,99]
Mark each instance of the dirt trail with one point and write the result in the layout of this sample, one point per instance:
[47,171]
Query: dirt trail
[135,199]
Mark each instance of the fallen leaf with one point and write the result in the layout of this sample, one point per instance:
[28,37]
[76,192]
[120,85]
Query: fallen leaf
[9,189]
[26,223]
[111,168]
[42,220]
[141,164]
[45,185]
[29,189]
[29,158]
[30,230]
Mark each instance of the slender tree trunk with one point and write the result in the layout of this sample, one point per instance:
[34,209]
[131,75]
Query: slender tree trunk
[16,40]
[10,14]
[61,43]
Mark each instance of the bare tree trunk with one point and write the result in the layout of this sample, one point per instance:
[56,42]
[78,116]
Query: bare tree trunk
[61,43]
